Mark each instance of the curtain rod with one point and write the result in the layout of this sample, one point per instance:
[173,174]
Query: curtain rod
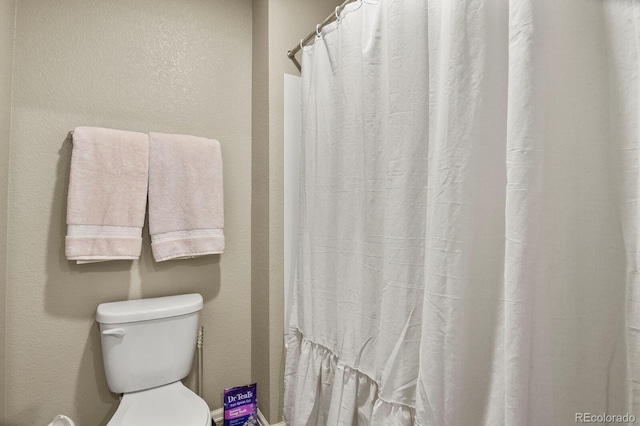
[292,53]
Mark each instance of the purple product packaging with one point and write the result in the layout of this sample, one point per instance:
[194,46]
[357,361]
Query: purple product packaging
[241,406]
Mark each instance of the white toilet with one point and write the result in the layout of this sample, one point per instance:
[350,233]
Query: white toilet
[148,347]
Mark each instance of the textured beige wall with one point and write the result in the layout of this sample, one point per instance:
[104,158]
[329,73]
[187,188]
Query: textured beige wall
[287,21]
[7,13]
[162,65]
[260,371]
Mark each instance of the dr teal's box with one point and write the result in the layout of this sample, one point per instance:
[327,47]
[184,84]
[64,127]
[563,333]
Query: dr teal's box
[241,406]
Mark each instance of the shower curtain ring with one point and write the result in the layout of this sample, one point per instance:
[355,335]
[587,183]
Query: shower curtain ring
[318,31]
[338,18]
[301,43]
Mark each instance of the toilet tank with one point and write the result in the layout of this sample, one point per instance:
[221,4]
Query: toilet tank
[148,343]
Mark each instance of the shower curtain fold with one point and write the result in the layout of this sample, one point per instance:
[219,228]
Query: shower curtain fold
[468,216]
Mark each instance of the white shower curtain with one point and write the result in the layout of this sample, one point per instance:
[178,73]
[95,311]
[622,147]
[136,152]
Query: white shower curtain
[469,220]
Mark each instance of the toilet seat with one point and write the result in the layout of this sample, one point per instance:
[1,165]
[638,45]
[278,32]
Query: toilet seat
[168,405]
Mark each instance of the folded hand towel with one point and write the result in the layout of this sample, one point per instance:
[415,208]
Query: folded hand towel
[186,215]
[107,194]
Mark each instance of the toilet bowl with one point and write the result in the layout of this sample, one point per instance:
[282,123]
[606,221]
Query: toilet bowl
[148,347]
[172,404]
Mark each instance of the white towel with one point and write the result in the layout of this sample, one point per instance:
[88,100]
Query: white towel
[186,211]
[107,194]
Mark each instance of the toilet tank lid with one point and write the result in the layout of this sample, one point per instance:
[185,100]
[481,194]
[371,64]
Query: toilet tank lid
[148,309]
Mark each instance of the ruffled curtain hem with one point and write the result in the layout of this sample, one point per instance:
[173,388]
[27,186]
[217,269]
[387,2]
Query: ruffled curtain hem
[325,391]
